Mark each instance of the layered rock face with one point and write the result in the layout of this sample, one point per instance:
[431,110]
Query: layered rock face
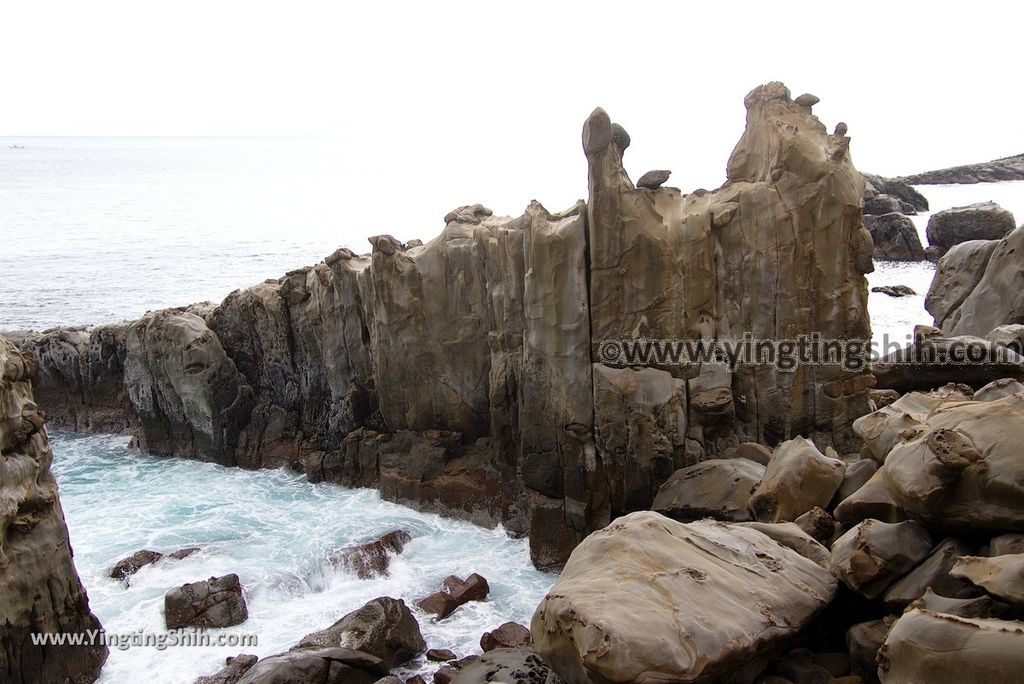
[40,590]
[463,375]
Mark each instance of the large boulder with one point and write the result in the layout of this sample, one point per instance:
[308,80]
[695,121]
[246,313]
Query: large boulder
[945,649]
[692,586]
[933,573]
[456,592]
[506,665]
[40,590]
[873,554]
[983,221]
[1001,576]
[216,602]
[798,478]
[506,635]
[234,669]
[373,558]
[716,488]
[912,200]
[383,627]
[331,665]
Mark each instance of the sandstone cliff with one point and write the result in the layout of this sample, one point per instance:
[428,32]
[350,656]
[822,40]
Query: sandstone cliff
[464,375]
[39,587]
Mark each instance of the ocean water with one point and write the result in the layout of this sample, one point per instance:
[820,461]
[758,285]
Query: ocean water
[101,230]
[274,530]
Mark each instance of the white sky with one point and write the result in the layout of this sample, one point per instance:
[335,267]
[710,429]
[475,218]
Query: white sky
[477,94]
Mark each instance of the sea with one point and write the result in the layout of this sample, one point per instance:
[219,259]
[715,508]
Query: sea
[97,230]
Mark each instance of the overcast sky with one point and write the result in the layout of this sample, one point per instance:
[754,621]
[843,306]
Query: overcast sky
[480,94]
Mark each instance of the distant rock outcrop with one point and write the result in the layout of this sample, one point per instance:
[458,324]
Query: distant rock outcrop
[1007,168]
[40,591]
[983,221]
[463,375]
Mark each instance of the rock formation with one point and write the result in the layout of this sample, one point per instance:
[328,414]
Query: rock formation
[895,237]
[983,221]
[40,591]
[463,376]
[383,627]
[1007,168]
[910,201]
[216,602]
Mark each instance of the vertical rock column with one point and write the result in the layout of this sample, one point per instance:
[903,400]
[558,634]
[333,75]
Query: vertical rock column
[39,587]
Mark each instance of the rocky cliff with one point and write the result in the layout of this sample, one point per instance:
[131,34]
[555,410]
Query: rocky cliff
[1007,168]
[464,375]
[39,587]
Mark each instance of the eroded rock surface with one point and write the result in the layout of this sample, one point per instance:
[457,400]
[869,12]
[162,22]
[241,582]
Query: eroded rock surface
[383,627]
[216,602]
[40,590]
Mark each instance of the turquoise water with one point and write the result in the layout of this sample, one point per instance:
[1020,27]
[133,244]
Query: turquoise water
[274,530]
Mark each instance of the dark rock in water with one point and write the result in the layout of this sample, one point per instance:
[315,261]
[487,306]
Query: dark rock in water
[184,553]
[882,204]
[716,488]
[447,672]
[383,627]
[910,199]
[508,635]
[126,567]
[895,237]
[1007,168]
[321,665]
[457,592]
[440,655]
[979,286]
[234,669]
[653,179]
[894,290]
[982,221]
[373,558]
[506,665]
[40,590]
[216,602]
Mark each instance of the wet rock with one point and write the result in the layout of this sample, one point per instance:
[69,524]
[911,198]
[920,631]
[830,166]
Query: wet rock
[978,606]
[507,665]
[331,665]
[183,553]
[440,655]
[863,640]
[873,554]
[457,592]
[933,573]
[234,669]
[698,621]
[126,567]
[894,290]
[372,559]
[447,672]
[507,635]
[216,602]
[895,237]
[383,627]
[653,179]
[1001,576]
[716,488]
[939,649]
[40,590]
[798,478]
[983,221]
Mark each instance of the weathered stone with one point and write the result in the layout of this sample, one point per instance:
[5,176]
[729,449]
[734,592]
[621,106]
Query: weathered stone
[697,616]
[507,635]
[1001,576]
[321,665]
[717,488]
[880,205]
[895,237]
[798,478]
[873,554]
[855,476]
[234,669]
[383,627]
[978,606]
[752,451]
[940,649]
[933,573]
[507,665]
[40,591]
[817,524]
[790,535]
[863,641]
[126,567]
[912,200]
[984,221]
[1006,543]
[440,655]
[871,501]
[372,559]
[653,179]
[1006,168]
[927,364]
[894,290]
[457,592]
[998,389]
[216,602]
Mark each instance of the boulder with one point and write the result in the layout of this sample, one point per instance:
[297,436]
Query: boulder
[978,606]
[126,567]
[940,649]
[894,290]
[692,587]
[871,501]
[960,470]
[653,179]
[1010,335]
[506,665]
[885,428]
[372,559]
[234,669]
[863,640]
[983,221]
[792,536]
[384,628]
[998,389]
[933,573]
[716,488]
[457,592]
[817,524]
[856,476]
[40,590]
[752,451]
[440,655]
[1006,543]
[1001,576]
[799,666]
[912,200]
[216,602]
[507,635]
[881,205]
[331,665]
[798,478]
[873,554]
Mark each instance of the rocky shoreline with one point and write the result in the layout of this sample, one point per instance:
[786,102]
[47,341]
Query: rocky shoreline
[710,525]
